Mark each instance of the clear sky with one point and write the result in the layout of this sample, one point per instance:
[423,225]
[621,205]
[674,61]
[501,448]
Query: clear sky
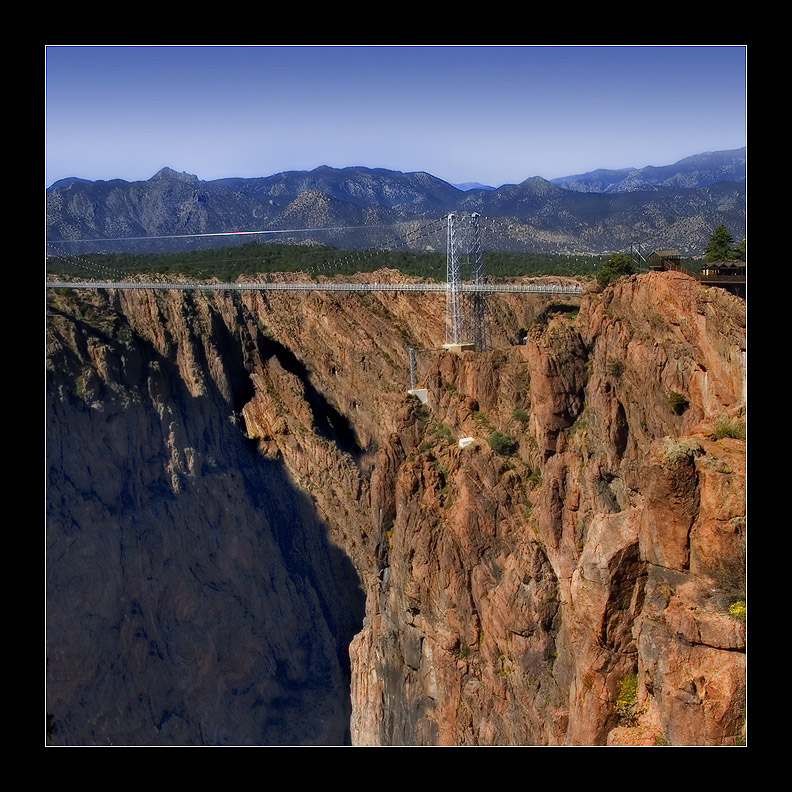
[490,114]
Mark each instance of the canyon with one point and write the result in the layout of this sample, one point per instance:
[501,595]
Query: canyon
[256,536]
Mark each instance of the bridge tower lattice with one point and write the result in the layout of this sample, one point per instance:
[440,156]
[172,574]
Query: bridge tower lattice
[464,310]
[477,298]
[453,306]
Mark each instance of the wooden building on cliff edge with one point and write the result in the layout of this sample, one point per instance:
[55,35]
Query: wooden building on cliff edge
[668,259]
[728,275]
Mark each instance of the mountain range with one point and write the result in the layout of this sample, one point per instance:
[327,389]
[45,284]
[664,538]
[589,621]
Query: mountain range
[675,205]
[701,170]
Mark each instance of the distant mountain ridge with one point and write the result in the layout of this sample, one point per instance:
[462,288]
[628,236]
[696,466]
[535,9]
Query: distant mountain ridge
[700,170]
[465,186]
[671,206]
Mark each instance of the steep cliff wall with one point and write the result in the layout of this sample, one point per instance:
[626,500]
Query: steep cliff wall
[579,581]
[193,596]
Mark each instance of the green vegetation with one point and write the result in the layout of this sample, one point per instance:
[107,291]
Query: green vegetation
[615,368]
[520,415]
[721,246]
[463,651]
[677,450]
[80,385]
[728,427]
[436,433]
[502,443]
[614,267]
[579,426]
[739,610]
[505,265]
[444,432]
[420,410]
[482,420]
[228,263]
[543,317]
[626,701]
[677,402]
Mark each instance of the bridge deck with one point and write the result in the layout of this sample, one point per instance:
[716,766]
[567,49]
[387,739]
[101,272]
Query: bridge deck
[533,288]
[722,279]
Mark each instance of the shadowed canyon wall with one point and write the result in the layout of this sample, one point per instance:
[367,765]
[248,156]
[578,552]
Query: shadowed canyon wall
[255,536]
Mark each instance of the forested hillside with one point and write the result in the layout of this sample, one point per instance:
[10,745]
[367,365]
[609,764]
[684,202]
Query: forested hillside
[228,263]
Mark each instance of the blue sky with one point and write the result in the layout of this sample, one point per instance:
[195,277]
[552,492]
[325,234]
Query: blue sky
[491,114]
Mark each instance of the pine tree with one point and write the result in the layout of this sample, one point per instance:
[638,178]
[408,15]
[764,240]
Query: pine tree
[617,265]
[720,246]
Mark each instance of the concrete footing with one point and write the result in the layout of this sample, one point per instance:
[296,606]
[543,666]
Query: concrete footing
[458,349]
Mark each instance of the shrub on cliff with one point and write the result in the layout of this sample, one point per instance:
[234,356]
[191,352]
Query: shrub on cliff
[502,443]
[627,699]
[482,420]
[520,415]
[617,265]
[728,427]
[675,451]
[615,367]
[677,402]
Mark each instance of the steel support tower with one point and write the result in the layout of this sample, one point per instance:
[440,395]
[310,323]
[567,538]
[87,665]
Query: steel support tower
[477,298]
[453,308]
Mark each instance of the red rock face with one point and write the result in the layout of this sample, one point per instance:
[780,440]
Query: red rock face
[531,582]
[575,575]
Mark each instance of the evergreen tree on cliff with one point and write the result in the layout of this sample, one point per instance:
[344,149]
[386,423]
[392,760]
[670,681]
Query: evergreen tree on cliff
[721,246]
[617,265]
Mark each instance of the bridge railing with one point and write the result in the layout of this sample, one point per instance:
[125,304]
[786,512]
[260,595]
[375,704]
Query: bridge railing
[517,288]
[722,278]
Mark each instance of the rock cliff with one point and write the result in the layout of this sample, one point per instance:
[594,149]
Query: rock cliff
[256,536]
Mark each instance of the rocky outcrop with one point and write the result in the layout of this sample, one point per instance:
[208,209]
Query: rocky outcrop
[520,591]
[572,576]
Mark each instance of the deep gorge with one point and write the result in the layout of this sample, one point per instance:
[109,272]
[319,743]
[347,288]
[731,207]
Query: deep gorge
[194,597]
[255,537]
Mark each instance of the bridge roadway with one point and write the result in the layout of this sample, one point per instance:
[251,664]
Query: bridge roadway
[533,288]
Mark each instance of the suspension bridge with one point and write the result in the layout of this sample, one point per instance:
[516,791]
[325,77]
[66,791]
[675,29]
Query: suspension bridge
[464,317]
